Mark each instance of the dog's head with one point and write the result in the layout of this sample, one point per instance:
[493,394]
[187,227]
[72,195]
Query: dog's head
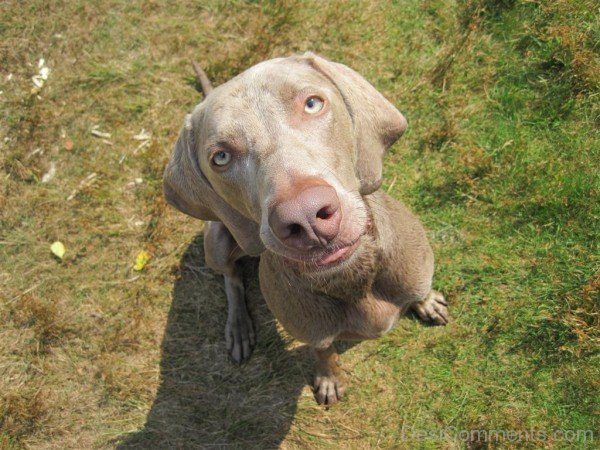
[282,155]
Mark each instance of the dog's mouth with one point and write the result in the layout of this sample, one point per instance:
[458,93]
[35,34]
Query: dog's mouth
[326,259]
[336,256]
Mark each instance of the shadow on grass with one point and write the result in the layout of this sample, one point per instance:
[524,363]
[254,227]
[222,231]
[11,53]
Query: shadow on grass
[204,399]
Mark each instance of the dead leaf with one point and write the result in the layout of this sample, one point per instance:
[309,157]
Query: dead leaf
[39,79]
[58,249]
[141,260]
[50,174]
[101,134]
[142,136]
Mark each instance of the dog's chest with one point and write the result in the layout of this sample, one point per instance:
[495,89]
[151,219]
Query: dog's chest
[315,317]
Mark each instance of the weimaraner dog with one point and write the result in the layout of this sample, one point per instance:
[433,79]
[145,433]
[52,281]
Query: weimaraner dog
[285,161]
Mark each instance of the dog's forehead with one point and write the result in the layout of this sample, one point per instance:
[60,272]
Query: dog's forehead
[275,79]
[257,97]
[291,70]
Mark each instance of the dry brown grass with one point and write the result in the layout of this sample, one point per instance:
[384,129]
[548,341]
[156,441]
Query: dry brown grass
[81,348]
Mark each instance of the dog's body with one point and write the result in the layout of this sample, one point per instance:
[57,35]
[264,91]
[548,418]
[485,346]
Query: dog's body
[285,161]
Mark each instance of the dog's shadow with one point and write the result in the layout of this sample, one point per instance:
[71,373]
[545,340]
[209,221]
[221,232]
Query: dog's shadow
[204,398]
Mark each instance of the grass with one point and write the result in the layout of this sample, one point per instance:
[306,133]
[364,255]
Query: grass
[501,162]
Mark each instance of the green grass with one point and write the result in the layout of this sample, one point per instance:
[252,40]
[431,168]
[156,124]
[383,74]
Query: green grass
[501,162]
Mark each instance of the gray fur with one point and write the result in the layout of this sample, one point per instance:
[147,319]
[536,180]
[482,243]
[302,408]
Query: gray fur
[255,116]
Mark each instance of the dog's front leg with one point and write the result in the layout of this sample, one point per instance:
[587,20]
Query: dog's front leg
[239,330]
[328,386]
[222,254]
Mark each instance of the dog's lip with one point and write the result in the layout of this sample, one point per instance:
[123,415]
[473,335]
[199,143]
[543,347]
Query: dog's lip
[332,257]
[328,258]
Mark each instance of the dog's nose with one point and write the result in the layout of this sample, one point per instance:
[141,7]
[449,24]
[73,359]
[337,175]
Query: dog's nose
[310,218]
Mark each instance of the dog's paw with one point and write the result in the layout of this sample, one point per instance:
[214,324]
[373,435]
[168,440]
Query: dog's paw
[328,389]
[239,335]
[433,310]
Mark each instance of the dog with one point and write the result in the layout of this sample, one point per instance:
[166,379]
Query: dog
[284,161]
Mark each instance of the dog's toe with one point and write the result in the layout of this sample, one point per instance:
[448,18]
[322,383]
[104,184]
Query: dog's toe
[328,389]
[434,309]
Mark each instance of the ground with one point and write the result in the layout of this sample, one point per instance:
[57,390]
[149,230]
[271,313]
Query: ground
[501,162]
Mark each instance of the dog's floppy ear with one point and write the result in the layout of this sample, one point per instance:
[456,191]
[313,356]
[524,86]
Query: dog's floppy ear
[377,123]
[187,189]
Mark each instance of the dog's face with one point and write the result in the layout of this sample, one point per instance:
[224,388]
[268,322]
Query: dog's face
[291,144]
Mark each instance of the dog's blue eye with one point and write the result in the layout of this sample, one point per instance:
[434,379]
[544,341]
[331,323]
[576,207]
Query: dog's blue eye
[313,105]
[221,158]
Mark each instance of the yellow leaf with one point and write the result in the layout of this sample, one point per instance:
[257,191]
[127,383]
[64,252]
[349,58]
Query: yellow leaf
[58,249]
[141,260]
